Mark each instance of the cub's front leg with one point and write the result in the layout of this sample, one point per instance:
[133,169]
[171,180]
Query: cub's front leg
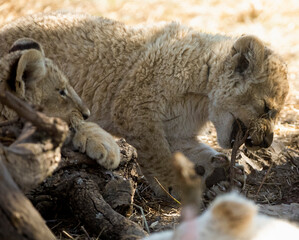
[155,160]
[98,144]
[213,166]
[146,134]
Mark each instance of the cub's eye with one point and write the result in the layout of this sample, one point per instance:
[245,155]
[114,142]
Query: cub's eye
[269,112]
[62,92]
[266,108]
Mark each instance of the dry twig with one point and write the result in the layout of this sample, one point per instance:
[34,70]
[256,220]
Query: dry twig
[143,217]
[240,139]
[163,188]
[264,179]
[54,127]
[86,233]
[9,122]
[67,234]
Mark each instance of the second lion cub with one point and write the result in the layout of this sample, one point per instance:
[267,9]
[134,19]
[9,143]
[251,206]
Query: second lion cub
[28,74]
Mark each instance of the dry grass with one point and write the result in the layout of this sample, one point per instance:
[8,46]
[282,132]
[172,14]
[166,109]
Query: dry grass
[276,22]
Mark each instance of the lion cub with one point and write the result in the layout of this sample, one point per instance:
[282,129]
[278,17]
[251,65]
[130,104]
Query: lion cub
[158,86]
[31,76]
[231,217]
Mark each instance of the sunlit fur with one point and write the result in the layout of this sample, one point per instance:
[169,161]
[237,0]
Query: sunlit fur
[231,217]
[31,76]
[159,85]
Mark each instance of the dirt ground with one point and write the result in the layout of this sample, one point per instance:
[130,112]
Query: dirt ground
[273,174]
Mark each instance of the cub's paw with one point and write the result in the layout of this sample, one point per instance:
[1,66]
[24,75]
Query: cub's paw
[98,144]
[217,180]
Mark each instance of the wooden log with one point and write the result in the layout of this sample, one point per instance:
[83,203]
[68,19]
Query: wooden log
[90,207]
[36,152]
[29,160]
[96,196]
[54,127]
[18,218]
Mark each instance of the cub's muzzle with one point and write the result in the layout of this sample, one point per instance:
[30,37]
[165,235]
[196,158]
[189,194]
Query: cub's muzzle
[260,133]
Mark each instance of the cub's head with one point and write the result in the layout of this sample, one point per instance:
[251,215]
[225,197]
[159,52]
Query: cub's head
[27,73]
[250,88]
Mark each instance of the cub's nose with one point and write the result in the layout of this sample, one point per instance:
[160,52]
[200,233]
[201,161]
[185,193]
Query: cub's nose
[86,114]
[268,139]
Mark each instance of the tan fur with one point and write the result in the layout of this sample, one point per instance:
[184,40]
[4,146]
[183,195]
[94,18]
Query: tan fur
[231,217]
[157,86]
[189,182]
[39,81]
[96,142]
[34,78]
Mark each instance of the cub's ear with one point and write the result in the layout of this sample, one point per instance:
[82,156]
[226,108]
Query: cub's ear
[25,44]
[233,213]
[30,69]
[248,54]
